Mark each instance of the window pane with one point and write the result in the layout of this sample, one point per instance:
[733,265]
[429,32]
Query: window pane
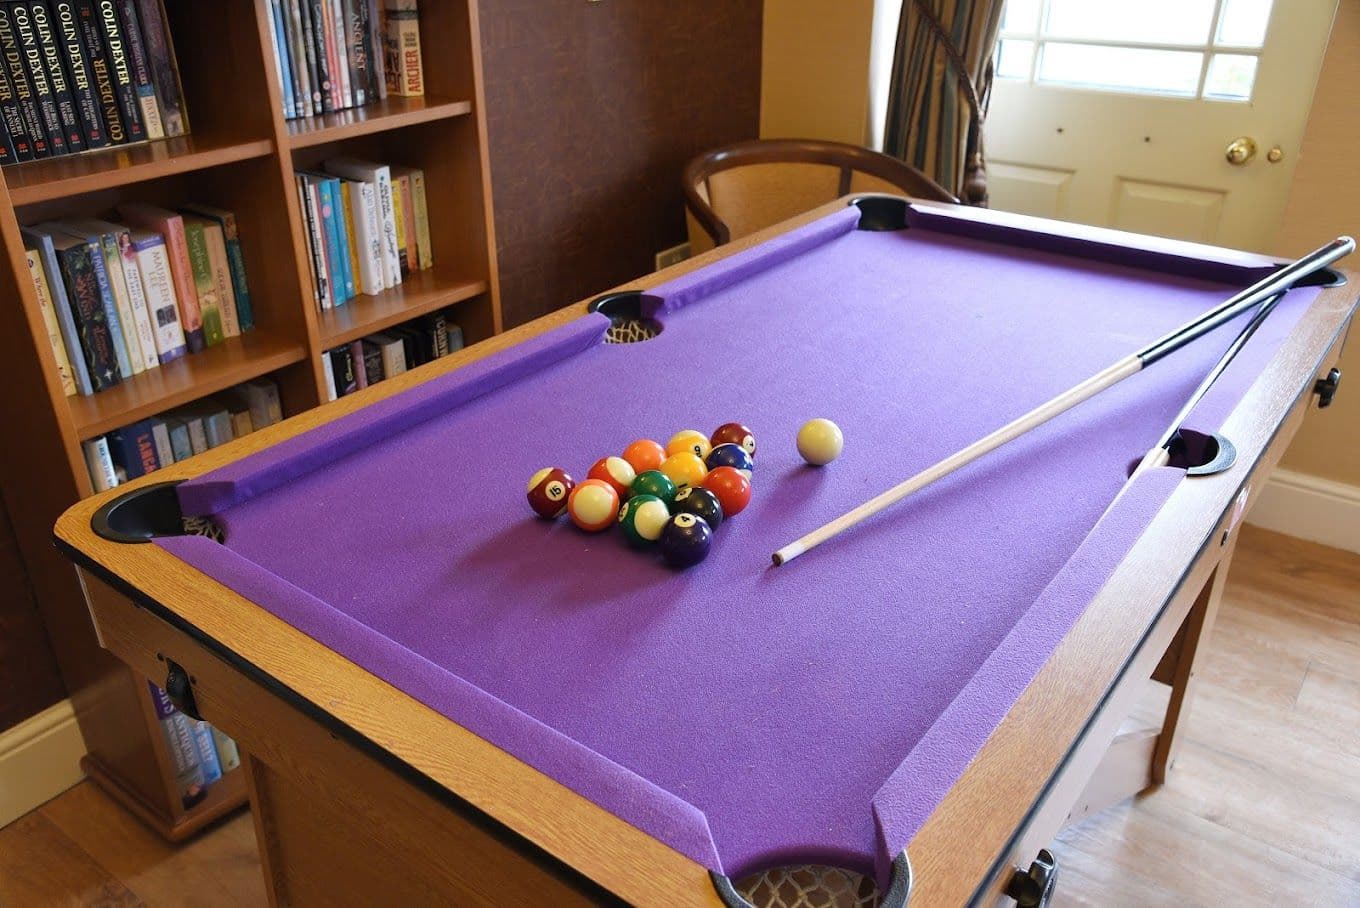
[1020,16]
[1153,21]
[1012,58]
[1243,22]
[1121,68]
[1230,77]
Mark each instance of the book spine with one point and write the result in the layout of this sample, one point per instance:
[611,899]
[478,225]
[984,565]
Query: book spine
[280,59]
[302,62]
[331,237]
[356,356]
[342,247]
[21,19]
[141,309]
[454,336]
[179,740]
[221,268]
[207,751]
[227,751]
[115,46]
[245,313]
[182,275]
[323,267]
[354,41]
[373,46]
[422,218]
[66,319]
[18,142]
[313,24]
[351,236]
[307,199]
[95,340]
[364,214]
[72,47]
[179,440]
[198,437]
[62,96]
[23,88]
[100,463]
[200,269]
[122,303]
[406,74]
[160,437]
[329,370]
[373,362]
[399,218]
[386,207]
[343,364]
[49,317]
[339,45]
[134,449]
[408,213]
[140,66]
[105,88]
[110,304]
[153,263]
[160,55]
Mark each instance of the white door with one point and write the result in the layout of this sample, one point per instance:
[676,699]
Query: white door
[1124,113]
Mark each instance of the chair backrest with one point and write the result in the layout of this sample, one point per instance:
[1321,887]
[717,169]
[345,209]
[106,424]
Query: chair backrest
[737,190]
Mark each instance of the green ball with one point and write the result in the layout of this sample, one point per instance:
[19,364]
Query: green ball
[653,482]
[643,517]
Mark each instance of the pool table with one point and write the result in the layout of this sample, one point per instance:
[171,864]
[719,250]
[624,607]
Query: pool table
[441,694]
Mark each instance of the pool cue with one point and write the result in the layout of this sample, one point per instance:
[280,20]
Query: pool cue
[1159,455]
[1130,365]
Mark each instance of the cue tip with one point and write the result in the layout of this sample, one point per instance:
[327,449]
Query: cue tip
[788,553]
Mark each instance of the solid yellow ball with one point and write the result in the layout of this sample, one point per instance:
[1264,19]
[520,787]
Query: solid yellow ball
[684,469]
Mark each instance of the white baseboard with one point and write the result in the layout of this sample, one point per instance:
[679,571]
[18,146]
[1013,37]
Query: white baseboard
[39,759]
[1320,510]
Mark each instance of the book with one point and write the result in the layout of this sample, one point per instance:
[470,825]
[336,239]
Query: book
[78,259]
[140,69]
[329,372]
[42,241]
[245,314]
[103,476]
[239,411]
[281,73]
[13,58]
[21,20]
[351,238]
[217,425]
[130,298]
[198,436]
[356,355]
[373,362]
[158,289]
[330,236]
[205,285]
[435,326]
[263,397]
[160,437]
[227,752]
[83,92]
[405,71]
[120,67]
[117,316]
[48,44]
[418,209]
[179,740]
[102,77]
[342,363]
[338,47]
[171,226]
[179,438]
[17,146]
[399,218]
[454,334]
[373,47]
[343,247]
[49,317]
[392,352]
[381,176]
[364,225]
[355,36]
[304,54]
[221,272]
[314,24]
[311,212]
[160,54]
[208,763]
[134,449]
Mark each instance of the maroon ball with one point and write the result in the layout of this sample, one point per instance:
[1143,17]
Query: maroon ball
[548,491]
[734,433]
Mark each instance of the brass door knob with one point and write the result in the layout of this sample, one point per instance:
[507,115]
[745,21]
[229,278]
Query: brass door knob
[1275,155]
[1240,150]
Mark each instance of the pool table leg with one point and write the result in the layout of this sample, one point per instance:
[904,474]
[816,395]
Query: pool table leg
[1183,660]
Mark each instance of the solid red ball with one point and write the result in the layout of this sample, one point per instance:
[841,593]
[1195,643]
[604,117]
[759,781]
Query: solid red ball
[732,488]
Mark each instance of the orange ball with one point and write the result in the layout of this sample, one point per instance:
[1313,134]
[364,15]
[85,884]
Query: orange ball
[732,488]
[684,469]
[616,471]
[644,454]
[593,505]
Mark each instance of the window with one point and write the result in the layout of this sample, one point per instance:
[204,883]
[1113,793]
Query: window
[1183,48]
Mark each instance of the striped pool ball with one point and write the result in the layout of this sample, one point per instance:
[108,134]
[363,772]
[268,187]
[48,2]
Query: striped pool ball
[616,471]
[734,433]
[642,518]
[548,491]
[688,440]
[593,505]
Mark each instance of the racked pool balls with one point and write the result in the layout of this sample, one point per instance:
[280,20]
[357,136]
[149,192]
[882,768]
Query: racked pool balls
[688,440]
[732,488]
[644,454]
[548,491]
[654,482]
[616,471]
[700,502]
[730,454]
[642,518]
[734,433]
[685,540]
[820,441]
[593,505]
[684,469]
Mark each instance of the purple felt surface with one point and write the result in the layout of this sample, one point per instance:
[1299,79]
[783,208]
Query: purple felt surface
[744,714]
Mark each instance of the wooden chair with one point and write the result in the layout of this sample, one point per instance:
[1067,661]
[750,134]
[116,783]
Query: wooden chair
[737,190]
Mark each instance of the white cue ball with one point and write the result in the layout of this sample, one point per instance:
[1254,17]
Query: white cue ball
[820,441]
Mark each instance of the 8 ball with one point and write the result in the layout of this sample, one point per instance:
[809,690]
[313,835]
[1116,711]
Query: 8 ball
[700,502]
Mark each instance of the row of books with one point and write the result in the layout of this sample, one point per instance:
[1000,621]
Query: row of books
[332,55]
[201,754]
[150,444]
[368,227]
[372,359]
[77,75]
[118,299]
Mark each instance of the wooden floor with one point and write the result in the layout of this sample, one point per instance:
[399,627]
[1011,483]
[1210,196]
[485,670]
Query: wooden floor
[1263,806]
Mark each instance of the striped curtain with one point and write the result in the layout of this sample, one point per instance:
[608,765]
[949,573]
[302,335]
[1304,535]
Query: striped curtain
[938,91]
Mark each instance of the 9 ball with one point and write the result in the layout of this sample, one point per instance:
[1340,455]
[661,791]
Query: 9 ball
[685,540]
[700,502]
[548,491]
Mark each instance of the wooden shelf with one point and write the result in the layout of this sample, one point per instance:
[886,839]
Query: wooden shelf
[391,113]
[55,178]
[422,292]
[188,378]
[225,796]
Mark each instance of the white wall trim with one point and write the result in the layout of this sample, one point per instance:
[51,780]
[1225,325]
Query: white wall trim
[1320,510]
[39,759]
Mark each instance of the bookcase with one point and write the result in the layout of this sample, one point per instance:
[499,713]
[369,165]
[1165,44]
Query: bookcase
[240,155]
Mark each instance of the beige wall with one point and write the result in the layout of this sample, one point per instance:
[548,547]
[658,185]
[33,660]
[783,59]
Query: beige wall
[815,69]
[1325,202]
